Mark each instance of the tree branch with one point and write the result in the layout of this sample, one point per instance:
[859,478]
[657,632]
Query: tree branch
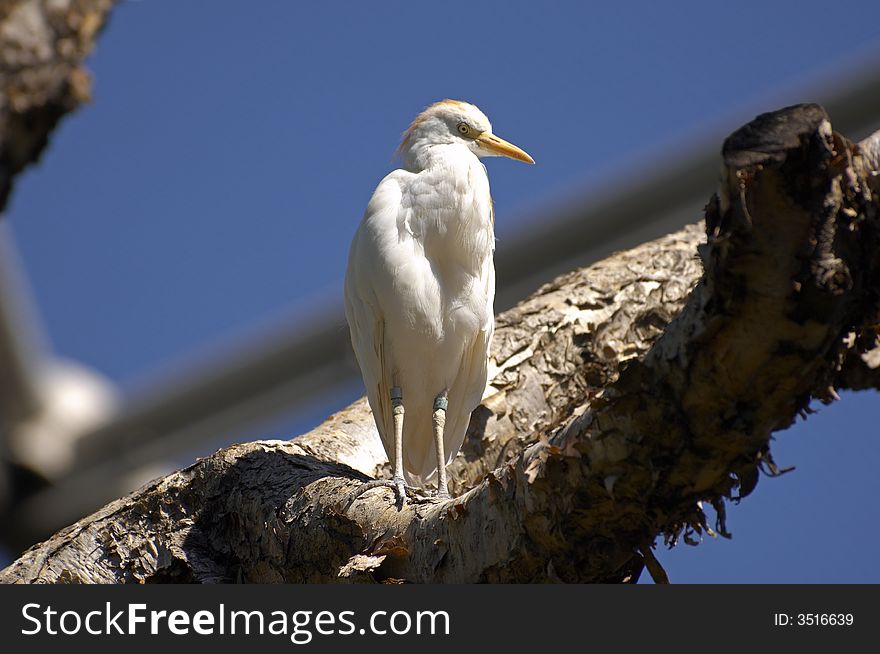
[624,395]
[42,77]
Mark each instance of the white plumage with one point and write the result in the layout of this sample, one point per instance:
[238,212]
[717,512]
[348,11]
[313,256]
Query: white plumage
[420,286]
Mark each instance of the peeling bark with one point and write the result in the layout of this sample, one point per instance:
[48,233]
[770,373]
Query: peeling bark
[861,370]
[623,396]
[42,77]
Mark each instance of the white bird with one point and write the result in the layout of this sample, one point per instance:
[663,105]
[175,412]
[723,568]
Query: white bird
[419,291]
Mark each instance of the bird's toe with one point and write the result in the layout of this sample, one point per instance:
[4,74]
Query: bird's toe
[401,491]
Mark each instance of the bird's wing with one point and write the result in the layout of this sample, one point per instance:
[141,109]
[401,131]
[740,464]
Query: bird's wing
[472,377]
[368,340]
[363,309]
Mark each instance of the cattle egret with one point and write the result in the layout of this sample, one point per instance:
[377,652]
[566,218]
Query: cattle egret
[419,292]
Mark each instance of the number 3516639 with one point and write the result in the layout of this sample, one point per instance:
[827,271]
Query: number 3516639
[813,619]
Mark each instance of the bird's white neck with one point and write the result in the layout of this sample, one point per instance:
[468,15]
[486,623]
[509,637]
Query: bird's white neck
[422,154]
[454,222]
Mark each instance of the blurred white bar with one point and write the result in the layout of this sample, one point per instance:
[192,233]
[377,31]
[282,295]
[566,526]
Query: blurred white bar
[22,347]
[46,403]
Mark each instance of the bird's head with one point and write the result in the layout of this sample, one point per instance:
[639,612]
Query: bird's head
[454,122]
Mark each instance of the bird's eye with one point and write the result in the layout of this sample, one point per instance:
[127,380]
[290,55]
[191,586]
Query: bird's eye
[463,129]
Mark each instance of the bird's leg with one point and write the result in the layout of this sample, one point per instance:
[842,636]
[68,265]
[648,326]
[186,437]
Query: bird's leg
[439,420]
[396,482]
[397,415]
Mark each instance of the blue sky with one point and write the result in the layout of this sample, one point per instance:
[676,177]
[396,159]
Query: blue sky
[213,185]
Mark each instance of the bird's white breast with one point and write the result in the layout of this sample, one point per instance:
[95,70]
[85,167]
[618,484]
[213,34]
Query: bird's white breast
[432,238]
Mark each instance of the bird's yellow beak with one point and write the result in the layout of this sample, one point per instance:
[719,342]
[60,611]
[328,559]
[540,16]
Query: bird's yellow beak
[499,146]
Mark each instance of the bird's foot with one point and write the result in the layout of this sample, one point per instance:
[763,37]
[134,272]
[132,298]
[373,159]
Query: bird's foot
[396,484]
[441,495]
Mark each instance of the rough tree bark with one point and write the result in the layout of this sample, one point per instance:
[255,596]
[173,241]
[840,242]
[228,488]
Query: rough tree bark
[624,395]
[42,47]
